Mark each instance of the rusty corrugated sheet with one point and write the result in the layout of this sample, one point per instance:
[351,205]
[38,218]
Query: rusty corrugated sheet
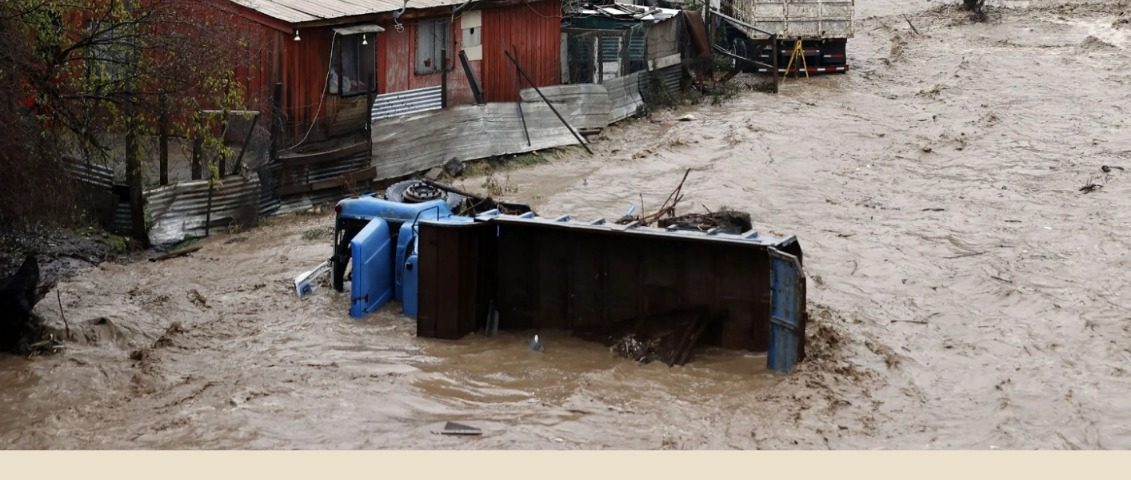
[535,30]
[179,211]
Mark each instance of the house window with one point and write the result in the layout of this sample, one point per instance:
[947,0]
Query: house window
[355,70]
[430,41]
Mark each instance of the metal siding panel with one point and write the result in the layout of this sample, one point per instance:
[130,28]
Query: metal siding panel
[179,211]
[787,328]
[406,102]
[640,273]
[535,29]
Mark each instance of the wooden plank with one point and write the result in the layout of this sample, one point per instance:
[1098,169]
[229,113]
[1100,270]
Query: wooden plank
[303,159]
[344,179]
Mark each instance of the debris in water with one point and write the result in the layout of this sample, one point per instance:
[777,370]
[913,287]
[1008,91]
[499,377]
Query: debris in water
[686,118]
[1091,187]
[536,344]
[669,337]
[176,254]
[453,428]
[304,283]
[195,296]
[725,221]
[453,167]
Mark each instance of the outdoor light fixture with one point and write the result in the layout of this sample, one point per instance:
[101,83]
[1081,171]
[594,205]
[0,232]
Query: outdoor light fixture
[297,37]
[364,41]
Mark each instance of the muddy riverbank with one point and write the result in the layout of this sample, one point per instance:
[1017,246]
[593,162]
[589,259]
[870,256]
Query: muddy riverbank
[964,292]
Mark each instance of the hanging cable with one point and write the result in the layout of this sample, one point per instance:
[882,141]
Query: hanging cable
[325,87]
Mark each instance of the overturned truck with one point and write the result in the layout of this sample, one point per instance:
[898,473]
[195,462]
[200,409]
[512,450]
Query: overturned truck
[491,270]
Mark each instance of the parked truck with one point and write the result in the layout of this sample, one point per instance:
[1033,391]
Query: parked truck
[817,29]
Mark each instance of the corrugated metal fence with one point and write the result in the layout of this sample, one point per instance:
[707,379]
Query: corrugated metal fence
[186,209]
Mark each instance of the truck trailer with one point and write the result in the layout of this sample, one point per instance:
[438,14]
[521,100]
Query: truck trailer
[813,33]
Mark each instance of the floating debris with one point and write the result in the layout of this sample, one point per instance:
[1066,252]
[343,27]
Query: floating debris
[453,428]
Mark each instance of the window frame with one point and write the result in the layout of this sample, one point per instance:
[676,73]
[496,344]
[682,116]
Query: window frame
[444,26]
[360,52]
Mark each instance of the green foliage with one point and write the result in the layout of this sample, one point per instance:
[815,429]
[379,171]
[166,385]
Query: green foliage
[118,244]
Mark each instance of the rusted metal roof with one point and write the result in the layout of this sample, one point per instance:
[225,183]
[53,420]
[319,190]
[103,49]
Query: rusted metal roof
[302,11]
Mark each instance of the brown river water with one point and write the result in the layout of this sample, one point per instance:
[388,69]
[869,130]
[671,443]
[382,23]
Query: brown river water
[963,292]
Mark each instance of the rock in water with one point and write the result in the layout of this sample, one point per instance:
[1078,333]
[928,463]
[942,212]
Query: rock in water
[536,344]
[18,327]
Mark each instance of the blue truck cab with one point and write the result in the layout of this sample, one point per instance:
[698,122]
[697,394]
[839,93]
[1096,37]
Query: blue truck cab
[375,235]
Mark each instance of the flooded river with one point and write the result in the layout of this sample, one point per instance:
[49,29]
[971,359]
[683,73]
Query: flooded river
[964,293]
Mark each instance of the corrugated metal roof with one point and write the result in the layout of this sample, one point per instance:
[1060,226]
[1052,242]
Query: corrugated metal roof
[301,11]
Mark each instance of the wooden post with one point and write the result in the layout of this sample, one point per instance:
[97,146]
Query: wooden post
[518,86]
[198,149]
[276,119]
[163,139]
[444,77]
[133,149]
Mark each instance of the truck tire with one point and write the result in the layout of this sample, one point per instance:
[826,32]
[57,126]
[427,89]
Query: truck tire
[396,193]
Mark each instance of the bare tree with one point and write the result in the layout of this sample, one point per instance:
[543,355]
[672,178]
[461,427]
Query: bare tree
[77,74]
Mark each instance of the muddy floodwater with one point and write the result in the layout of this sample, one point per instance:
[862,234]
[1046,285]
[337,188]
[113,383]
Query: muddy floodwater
[963,291]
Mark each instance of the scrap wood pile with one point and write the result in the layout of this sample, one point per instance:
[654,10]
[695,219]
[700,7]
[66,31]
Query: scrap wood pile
[722,221]
[669,337]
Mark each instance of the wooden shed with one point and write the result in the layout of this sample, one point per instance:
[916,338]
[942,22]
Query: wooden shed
[331,67]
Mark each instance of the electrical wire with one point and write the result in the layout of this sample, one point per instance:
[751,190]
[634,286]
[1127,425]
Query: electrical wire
[322,99]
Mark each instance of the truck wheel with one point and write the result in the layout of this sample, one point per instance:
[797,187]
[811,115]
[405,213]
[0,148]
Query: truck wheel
[415,191]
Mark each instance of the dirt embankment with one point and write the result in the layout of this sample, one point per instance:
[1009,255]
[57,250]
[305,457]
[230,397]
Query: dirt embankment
[964,291]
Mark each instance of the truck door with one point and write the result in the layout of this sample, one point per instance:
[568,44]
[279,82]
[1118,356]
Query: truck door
[787,320]
[372,284]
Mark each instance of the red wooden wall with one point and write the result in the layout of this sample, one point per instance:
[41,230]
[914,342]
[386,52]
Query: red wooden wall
[535,29]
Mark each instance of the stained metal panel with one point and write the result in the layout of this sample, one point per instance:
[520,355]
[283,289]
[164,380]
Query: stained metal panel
[541,273]
[180,211]
[454,289]
[624,95]
[787,311]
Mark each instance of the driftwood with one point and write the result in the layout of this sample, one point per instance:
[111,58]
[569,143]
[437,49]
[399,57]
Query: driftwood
[667,209]
[669,337]
[174,254]
[19,328]
[722,221]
